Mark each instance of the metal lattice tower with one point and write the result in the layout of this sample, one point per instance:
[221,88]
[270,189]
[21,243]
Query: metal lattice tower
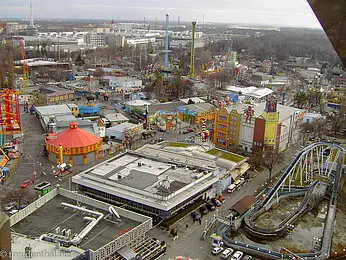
[31,15]
[166,43]
[192,57]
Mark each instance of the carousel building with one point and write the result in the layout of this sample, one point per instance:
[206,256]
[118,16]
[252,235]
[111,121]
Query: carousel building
[74,146]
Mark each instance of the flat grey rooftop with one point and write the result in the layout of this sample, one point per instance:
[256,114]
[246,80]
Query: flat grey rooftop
[145,174]
[154,177]
[52,215]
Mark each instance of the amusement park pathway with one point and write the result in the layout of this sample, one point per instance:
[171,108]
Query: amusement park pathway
[33,156]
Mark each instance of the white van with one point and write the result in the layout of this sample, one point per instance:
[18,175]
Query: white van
[231,188]
[239,181]
[227,253]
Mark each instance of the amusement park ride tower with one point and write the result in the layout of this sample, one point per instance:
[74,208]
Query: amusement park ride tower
[9,102]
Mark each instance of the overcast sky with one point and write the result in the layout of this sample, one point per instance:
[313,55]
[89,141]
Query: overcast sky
[271,12]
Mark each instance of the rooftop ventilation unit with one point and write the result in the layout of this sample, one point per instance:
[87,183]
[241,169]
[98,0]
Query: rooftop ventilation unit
[174,166]
[57,230]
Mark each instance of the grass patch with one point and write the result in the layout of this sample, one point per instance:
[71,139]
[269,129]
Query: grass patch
[178,144]
[226,155]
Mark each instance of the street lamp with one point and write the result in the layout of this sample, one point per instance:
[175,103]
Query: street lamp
[34,180]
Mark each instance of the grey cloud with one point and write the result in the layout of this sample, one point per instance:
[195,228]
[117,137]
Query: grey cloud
[279,12]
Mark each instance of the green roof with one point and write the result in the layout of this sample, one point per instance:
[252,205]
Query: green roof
[227,155]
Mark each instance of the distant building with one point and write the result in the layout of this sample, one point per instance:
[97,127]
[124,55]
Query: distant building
[195,100]
[311,117]
[196,112]
[46,114]
[95,39]
[119,131]
[74,109]
[115,40]
[63,122]
[116,118]
[51,94]
[259,80]
[89,83]
[250,93]
[140,41]
[101,30]
[101,126]
[124,85]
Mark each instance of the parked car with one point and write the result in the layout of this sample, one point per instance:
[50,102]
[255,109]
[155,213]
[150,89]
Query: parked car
[210,206]
[185,132]
[237,255]
[239,181]
[13,211]
[10,206]
[203,209]
[189,130]
[25,184]
[231,188]
[227,253]
[22,206]
[216,250]
[247,257]
[195,215]
[216,202]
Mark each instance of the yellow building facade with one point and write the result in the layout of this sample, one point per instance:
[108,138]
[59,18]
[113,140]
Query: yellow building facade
[227,128]
[271,126]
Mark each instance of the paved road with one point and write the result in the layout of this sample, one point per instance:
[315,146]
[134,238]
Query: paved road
[33,155]
[189,243]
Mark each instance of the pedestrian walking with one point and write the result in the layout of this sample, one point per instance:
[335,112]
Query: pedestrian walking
[200,221]
[187,226]
[2,181]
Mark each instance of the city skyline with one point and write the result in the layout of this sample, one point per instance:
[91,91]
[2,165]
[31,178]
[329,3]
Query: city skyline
[294,13]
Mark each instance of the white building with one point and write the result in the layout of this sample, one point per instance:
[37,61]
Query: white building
[118,131]
[140,41]
[254,94]
[124,84]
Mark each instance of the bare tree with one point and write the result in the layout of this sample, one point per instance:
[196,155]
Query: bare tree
[337,119]
[255,161]
[267,158]
[305,130]
[19,196]
[300,99]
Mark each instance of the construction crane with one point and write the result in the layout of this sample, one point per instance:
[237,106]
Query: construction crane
[25,68]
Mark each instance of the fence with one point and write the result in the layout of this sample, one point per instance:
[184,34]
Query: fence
[107,250]
[101,205]
[23,213]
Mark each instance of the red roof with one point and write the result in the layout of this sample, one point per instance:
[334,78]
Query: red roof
[74,137]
